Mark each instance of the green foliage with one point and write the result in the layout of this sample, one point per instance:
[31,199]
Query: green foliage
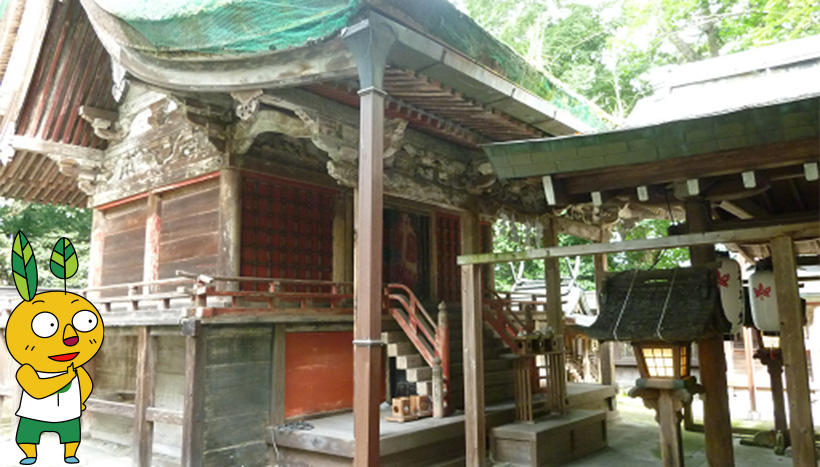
[603,49]
[649,259]
[43,224]
[24,267]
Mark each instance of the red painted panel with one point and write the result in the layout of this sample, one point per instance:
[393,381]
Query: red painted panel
[318,372]
[287,229]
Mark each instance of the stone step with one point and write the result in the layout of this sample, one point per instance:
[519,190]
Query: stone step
[404,362]
[421,373]
[400,348]
[390,337]
[424,388]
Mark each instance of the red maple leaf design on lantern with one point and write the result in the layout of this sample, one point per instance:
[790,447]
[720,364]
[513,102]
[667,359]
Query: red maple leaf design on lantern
[723,280]
[760,292]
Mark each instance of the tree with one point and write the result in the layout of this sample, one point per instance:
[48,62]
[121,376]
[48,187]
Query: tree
[43,224]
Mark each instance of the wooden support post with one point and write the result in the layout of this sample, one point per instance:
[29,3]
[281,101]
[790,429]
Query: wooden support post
[671,447]
[277,407]
[343,239]
[555,318]
[443,337]
[606,349]
[230,226]
[470,232]
[370,44]
[473,334]
[792,344]
[716,419]
[143,432]
[193,412]
[750,371]
[150,264]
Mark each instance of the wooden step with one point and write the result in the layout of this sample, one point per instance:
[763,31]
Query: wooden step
[404,362]
[421,373]
[390,337]
[400,348]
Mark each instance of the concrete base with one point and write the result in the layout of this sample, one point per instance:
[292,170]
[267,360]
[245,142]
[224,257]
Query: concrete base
[552,440]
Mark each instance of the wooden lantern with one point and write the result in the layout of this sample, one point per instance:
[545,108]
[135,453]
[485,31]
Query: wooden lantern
[731,292]
[663,360]
[763,298]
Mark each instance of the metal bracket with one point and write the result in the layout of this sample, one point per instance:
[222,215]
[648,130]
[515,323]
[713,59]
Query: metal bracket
[368,342]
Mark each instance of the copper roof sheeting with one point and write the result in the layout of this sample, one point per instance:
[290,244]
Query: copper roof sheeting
[73,69]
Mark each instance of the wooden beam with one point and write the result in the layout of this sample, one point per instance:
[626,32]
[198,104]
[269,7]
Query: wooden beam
[473,333]
[81,154]
[792,344]
[699,166]
[143,432]
[193,413]
[716,418]
[796,231]
[277,410]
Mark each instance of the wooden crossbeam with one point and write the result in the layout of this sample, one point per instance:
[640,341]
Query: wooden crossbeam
[796,231]
[81,154]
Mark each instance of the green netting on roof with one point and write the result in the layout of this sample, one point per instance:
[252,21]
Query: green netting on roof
[238,26]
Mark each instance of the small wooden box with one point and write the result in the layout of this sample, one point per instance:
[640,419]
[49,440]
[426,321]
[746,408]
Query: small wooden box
[420,406]
[402,410]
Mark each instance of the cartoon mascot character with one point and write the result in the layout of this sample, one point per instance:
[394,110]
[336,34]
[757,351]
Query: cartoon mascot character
[51,335]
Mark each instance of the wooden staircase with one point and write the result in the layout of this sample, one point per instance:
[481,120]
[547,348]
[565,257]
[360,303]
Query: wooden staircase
[498,367]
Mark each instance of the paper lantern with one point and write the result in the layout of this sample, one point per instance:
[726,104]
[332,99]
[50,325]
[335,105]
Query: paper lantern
[731,292]
[763,298]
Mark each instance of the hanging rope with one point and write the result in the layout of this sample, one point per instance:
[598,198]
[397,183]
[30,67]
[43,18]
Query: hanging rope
[623,305]
[666,304]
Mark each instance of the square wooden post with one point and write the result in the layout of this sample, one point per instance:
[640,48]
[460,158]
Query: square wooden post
[555,319]
[370,43]
[230,226]
[150,263]
[143,431]
[193,412]
[792,344]
[717,421]
[606,349]
[473,332]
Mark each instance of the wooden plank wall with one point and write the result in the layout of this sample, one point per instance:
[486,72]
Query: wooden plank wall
[123,243]
[237,394]
[319,369]
[189,232]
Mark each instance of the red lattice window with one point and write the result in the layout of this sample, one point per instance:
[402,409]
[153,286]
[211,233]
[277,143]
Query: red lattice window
[287,229]
[448,247]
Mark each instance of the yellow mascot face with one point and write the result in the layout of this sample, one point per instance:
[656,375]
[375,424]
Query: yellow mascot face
[54,330]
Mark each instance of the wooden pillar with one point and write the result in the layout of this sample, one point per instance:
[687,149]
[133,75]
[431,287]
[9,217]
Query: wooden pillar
[150,263]
[370,44]
[792,344]
[750,371]
[470,233]
[193,412]
[606,349]
[95,261]
[230,226]
[716,419]
[555,317]
[671,447]
[277,408]
[143,431]
[473,334]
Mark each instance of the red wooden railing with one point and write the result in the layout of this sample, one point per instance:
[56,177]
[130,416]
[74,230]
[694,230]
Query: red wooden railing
[430,338]
[501,313]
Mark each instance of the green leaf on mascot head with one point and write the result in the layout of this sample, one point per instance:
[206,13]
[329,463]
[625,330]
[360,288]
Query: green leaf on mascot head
[64,261]
[24,267]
